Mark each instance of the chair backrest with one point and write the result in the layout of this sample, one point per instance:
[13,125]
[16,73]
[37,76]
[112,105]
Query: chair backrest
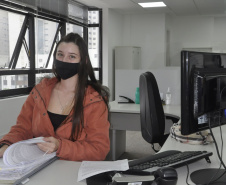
[152,116]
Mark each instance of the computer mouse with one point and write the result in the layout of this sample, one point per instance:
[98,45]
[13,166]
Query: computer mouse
[165,176]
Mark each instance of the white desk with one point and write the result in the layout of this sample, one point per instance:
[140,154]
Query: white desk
[65,172]
[126,116]
[135,108]
[58,173]
[171,144]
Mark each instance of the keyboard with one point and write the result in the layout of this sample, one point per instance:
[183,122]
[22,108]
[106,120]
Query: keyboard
[170,158]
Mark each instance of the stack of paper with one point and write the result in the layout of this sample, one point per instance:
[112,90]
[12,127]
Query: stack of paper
[21,158]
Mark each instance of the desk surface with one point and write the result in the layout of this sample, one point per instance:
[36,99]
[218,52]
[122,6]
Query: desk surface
[135,108]
[60,172]
[171,144]
[65,172]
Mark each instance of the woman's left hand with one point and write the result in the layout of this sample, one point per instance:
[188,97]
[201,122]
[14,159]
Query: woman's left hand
[51,145]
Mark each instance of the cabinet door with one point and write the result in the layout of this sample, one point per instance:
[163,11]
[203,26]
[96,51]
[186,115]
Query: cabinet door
[127,57]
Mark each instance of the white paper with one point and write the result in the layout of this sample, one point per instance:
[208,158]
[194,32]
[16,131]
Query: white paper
[90,168]
[23,151]
[22,157]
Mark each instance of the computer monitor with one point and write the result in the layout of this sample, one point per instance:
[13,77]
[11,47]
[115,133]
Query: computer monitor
[203,100]
[203,91]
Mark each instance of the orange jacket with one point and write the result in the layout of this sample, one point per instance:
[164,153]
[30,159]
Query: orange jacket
[33,121]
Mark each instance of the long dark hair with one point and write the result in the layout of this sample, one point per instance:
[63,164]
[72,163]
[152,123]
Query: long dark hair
[85,77]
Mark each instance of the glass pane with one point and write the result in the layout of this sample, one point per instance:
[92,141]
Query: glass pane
[23,61]
[40,76]
[74,28]
[93,45]
[10,26]
[93,17]
[13,82]
[96,73]
[44,34]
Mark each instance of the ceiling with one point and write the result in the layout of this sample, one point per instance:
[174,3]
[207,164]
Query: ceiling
[175,7]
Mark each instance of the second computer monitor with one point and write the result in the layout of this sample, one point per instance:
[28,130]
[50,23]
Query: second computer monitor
[203,91]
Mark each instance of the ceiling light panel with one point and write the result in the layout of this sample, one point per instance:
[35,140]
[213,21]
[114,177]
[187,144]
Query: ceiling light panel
[152,4]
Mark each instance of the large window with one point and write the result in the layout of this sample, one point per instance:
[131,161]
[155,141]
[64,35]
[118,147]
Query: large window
[28,39]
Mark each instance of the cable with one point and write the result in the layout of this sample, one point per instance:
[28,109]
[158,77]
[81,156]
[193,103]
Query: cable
[220,158]
[187,174]
[222,163]
[222,141]
[218,154]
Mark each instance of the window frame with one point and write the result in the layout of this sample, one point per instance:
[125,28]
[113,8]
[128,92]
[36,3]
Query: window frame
[99,25]
[29,25]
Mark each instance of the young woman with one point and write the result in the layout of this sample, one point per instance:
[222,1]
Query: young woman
[69,110]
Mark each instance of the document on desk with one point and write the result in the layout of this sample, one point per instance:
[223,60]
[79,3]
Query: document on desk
[90,168]
[21,159]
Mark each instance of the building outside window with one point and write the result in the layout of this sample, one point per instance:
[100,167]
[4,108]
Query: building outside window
[94,39]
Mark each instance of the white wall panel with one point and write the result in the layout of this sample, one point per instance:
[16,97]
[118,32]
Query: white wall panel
[9,110]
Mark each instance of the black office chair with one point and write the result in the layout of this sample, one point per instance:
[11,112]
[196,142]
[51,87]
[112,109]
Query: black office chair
[152,116]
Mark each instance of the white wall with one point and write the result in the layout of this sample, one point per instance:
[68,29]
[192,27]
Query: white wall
[219,38]
[128,80]
[148,32]
[9,110]
[199,32]
[189,32]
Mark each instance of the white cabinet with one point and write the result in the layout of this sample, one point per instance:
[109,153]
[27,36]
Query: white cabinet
[127,57]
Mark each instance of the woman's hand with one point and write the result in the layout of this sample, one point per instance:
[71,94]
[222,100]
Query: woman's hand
[51,145]
[2,150]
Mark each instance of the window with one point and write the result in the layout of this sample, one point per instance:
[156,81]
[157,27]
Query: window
[4,80]
[95,47]
[74,28]
[94,15]
[29,38]
[97,74]
[10,26]
[13,80]
[40,76]
[44,37]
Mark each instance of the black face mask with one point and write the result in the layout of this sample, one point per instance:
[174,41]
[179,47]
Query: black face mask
[66,70]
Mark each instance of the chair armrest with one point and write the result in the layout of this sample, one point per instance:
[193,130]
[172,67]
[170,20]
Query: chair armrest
[172,117]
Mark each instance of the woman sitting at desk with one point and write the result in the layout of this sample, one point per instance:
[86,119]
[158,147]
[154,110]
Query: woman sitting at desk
[69,110]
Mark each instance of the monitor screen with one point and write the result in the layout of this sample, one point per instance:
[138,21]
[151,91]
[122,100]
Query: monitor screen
[203,91]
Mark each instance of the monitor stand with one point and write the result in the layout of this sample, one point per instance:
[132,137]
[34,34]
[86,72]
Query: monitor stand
[204,176]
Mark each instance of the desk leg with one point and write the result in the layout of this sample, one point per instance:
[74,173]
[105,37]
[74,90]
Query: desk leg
[118,144]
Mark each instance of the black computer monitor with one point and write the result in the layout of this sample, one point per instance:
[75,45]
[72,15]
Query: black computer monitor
[203,91]
[203,100]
